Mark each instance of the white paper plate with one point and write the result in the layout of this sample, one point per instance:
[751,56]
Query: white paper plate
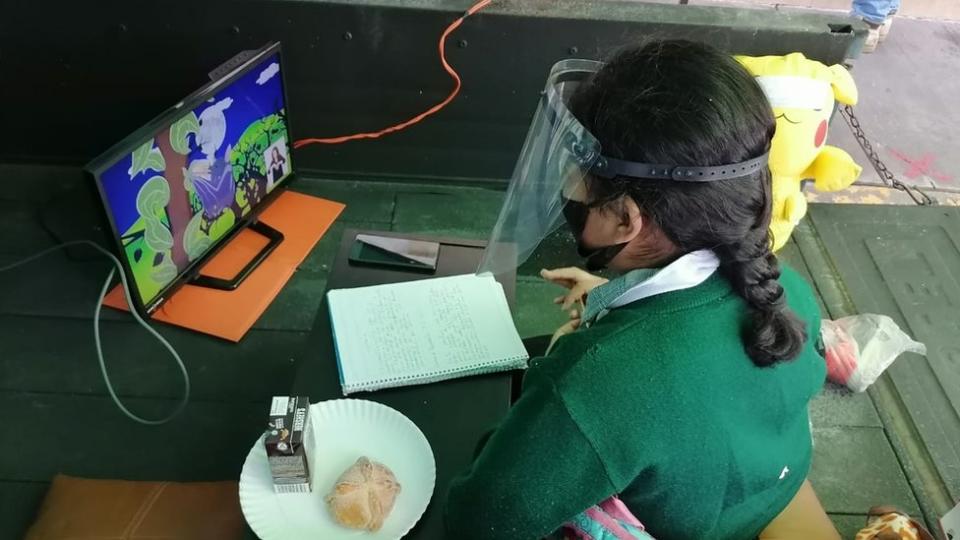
[344,430]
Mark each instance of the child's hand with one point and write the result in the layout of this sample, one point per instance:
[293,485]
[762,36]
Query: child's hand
[578,281]
[568,328]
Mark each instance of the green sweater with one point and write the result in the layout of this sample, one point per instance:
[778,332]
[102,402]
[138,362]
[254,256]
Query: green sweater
[659,403]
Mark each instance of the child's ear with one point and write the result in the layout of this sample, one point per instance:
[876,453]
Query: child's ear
[631,220]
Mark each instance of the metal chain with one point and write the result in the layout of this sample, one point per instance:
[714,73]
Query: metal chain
[888,177]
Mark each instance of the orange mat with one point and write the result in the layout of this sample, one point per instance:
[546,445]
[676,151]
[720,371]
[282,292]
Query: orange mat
[230,314]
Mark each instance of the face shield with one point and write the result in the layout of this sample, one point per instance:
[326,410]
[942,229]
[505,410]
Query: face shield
[558,159]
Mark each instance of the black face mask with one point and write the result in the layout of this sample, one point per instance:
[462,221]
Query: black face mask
[576,212]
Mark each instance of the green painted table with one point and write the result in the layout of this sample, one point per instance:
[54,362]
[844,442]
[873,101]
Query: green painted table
[49,378]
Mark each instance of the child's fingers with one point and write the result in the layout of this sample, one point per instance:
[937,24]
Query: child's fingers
[570,273]
[565,283]
[574,296]
[565,277]
[559,299]
[552,276]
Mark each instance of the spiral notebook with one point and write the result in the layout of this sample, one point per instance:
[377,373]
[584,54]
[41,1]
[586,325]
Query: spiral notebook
[422,331]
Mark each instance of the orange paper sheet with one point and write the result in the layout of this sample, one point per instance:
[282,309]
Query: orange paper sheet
[230,314]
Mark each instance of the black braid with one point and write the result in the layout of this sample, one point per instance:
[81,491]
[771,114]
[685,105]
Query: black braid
[683,103]
[776,333]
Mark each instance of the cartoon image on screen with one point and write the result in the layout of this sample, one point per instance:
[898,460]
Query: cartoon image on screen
[172,198]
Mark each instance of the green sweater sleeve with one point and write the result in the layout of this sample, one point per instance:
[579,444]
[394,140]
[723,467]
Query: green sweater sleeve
[536,471]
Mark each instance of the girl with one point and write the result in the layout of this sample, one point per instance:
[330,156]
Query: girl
[682,387]
[277,166]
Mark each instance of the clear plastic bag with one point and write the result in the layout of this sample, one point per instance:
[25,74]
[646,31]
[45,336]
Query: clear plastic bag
[860,348]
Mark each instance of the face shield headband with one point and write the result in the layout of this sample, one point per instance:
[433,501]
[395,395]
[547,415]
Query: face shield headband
[559,89]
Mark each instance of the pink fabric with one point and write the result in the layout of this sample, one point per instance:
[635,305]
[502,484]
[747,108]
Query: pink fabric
[609,523]
[615,507]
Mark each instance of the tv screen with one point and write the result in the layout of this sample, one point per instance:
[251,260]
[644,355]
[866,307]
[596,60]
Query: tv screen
[181,186]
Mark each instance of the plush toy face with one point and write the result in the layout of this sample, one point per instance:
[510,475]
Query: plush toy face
[801,133]
[802,93]
[802,107]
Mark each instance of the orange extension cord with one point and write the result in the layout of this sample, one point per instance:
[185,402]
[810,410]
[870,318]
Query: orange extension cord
[429,112]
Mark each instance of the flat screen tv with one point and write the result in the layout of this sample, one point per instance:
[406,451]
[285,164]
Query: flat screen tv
[179,188]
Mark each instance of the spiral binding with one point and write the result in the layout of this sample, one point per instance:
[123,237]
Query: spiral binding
[505,364]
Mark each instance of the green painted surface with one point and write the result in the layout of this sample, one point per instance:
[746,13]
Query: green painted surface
[854,468]
[668,14]
[54,286]
[19,502]
[466,213]
[18,223]
[904,437]
[536,314]
[295,307]
[366,201]
[905,262]
[321,257]
[88,436]
[38,183]
[790,253]
[556,251]
[834,406]
[837,406]
[55,382]
[57,356]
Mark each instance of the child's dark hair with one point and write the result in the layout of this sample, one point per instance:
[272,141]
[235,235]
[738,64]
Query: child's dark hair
[684,103]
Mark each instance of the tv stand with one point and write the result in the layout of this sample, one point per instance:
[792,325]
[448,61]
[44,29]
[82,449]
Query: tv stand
[274,236]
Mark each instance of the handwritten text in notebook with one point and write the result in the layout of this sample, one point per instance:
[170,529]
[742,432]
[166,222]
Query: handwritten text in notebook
[422,331]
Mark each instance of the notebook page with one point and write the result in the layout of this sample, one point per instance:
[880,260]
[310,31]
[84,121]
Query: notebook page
[415,330]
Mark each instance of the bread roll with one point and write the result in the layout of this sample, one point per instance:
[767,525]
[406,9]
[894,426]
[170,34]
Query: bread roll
[363,495]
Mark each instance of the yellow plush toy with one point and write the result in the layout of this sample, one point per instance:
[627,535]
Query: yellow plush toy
[802,94]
